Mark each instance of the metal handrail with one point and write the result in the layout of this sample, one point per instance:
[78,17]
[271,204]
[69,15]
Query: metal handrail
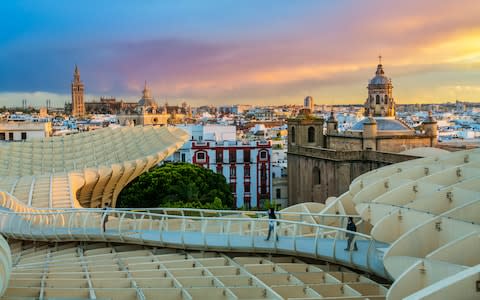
[229,232]
[112,212]
[182,210]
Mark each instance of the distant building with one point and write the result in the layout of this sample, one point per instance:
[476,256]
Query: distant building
[236,109]
[279,174]
[323,162]
[78,89]
[146,112]
[210,132]
[110,105]
[245,165]
[21,131]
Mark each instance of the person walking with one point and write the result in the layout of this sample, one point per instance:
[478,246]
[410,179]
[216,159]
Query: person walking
[105,216]
[271,223]
[350,236]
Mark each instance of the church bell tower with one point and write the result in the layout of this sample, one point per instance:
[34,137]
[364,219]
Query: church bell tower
[78,105]
[380,102]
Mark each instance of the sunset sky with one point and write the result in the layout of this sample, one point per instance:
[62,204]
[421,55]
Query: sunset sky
[225,52]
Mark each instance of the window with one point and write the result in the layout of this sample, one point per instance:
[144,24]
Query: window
[263,173]
[233,171]
[219,155]
[2,136]
[10,136]
[311,134]
[278,193]
[183,157]
[377,101]
[386,99]
[247,187]
[246,155]
[246,171]
[246,201]
[263,180]
[273,175]
[201,157]
[219,169]
[233,187]
[24,135]
[232,155]
[263,155]
[293,135]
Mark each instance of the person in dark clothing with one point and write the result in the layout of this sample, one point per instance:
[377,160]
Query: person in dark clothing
[350,236]
[271,223]
[105,216]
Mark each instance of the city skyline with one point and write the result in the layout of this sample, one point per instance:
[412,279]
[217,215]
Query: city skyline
[225,52]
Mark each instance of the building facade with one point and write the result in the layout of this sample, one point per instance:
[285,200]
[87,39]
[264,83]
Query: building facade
[146,112]
[78,90]
[21,131]
[246,165]
[322,162]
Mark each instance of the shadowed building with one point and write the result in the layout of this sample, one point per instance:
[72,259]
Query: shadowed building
[323,163]
[110,105]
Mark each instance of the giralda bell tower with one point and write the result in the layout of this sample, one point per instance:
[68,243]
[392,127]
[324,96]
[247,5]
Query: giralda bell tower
[78,105]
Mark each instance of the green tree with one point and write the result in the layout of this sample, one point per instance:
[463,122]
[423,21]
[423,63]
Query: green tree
[177,185]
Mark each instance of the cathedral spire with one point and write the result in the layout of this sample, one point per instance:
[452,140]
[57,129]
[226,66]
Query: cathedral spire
[146,92]
[76,74]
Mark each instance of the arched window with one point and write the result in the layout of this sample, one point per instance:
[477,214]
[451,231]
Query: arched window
[311,134]
[293,135]
[377,99]
[386,99]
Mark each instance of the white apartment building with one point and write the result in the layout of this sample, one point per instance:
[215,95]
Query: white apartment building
[20,131]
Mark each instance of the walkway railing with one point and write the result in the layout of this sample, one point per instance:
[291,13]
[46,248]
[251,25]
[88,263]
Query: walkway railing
[336,220]
[194,232]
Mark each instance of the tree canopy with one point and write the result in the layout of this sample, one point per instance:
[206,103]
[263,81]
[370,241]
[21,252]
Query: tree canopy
[177,185]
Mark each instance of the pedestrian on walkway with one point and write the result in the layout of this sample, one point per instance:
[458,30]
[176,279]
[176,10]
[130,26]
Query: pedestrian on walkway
[271,223]
[105,216]
[350,236]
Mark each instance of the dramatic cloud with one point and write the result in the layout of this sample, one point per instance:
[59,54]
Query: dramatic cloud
[232,52]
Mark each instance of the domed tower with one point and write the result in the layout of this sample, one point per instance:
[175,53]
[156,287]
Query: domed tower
[147,102]
[332,124]
[380,102]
